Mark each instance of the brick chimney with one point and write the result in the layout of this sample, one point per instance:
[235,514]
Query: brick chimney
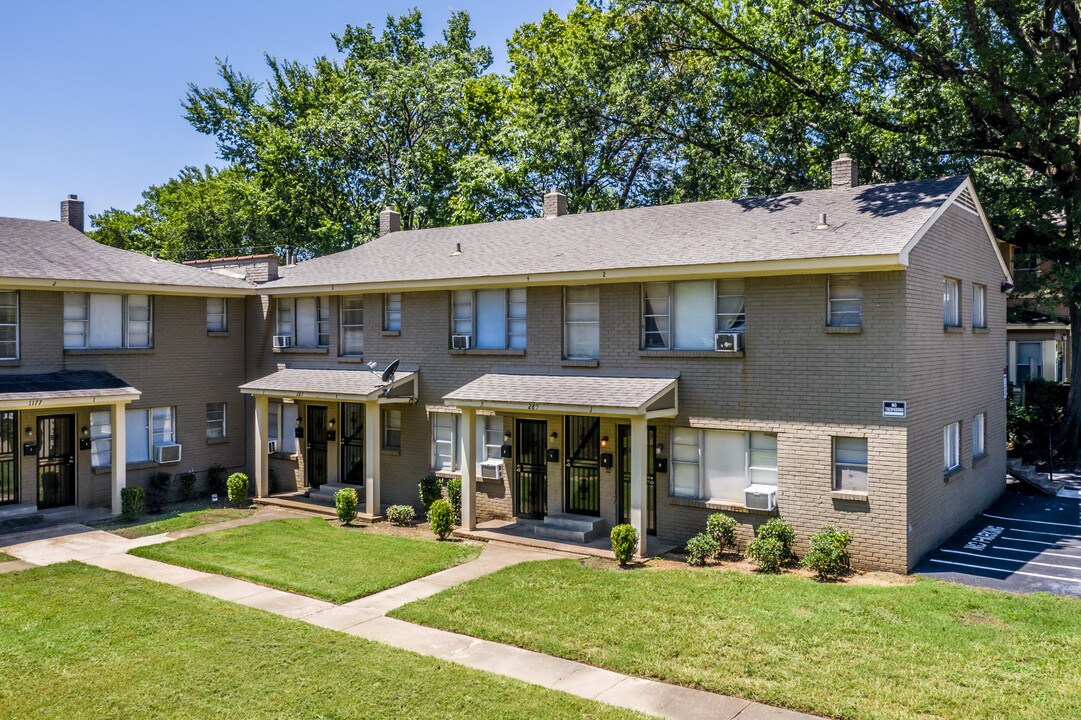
[389,221]
[555,203]
[845,172]
[71,212]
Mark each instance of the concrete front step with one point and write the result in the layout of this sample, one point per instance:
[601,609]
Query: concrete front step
[574,528]
[326,491]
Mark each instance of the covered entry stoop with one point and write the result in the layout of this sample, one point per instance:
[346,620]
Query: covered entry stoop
[573,528]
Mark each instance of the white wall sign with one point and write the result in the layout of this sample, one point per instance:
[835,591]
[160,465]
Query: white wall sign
[894,408]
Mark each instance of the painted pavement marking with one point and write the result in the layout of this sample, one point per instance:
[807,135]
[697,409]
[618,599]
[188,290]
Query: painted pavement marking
[1038,522]
[1012,560]
[1001,570]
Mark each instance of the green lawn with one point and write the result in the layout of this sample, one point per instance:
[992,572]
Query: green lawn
[172,521]
[80,642]
[924,650]
[312,557]
[5,558]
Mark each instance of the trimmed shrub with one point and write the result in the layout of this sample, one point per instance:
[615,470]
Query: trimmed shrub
[828,555]
[345,502]
[157,492]
[215,480]
[700,548]
[780,530]
[454,494]
[131,502]
[722,528]
[186,483]
[768,554]
[237,486]
[624,543]
[441,518]
[401,515]
[429,490]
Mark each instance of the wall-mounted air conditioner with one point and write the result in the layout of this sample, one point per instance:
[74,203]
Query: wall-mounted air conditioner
[728,342]
[167,453]
[760,497]
[272,447]
[491,470]
[461,342]
[283,341]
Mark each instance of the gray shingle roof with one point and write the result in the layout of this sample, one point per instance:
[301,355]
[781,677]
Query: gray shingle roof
[865,220]
[73,384]
[37,249]
[339,383]
[626,393]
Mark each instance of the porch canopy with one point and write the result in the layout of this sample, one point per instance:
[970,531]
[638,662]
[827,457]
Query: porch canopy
[650,397]
[62,389]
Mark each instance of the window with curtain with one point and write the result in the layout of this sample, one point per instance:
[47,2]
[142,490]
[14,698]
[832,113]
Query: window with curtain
[147,427]
[352,326]
[686,315]
[979,306]
[392,311]
[289,414]
[582,323]
[494,319]
[216,320]
[445,441]
[215,421]
[101,438]
[392,430]
[845,301]
[306,320]
[718,465]
[979,435]
[107,321]
[951,302]
[9,325]
[951,446]
[850,464]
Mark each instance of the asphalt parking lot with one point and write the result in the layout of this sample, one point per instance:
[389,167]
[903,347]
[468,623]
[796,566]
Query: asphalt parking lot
[1022,543]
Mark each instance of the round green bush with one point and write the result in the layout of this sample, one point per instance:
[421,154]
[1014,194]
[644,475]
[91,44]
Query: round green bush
[157,492]
[401,515]
[441,518]
[700,548]
[768,554]
[780,530]
[624,542]
[828,553]
[345,502]
[131,502]
[237,486]
[430,491]
[722,528]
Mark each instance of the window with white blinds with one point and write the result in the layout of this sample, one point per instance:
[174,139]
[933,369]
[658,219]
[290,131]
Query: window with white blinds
[9,325]
[107,321]
[146,428]
[582,323]
[216,320]
[493,319]
[306,320]
[718,465]
[445,441]
[687,315]
[352,326]
[392,312]
[845,301]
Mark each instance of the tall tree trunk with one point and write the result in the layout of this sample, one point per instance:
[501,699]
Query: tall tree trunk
[1069,434]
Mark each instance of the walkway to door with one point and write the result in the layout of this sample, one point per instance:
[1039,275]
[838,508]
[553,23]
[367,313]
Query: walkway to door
[521,532]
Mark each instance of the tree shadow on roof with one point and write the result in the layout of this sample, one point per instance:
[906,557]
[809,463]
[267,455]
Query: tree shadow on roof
[897,198]
[769,203]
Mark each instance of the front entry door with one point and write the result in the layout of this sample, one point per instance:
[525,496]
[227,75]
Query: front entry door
[625,477]
[352,443]
[531,470]
[9,466]
[316,459]
[56,461]
[582,486]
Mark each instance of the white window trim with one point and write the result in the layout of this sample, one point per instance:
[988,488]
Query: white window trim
[979,302]
[854,279]
[344,326]
[210,424]
[951,447]
[703,481]
[322,327]
[388,413]
[567,323]
[951,316]
[125,323]
[16,325]
[149,438]
[673,341]
[837,464]
[101,434]
[508,319]
[455,429]
[224,315]
[491,450]
[392,318]
[979,435]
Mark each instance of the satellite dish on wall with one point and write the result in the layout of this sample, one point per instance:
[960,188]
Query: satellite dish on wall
[388,374]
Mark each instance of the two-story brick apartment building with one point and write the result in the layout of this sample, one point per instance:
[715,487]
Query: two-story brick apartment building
[834,356]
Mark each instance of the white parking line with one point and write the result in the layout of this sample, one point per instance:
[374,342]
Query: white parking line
[1011,572]
[1019,562]
[1037,532]
[1040,553]
[1038,522]
[1059,545]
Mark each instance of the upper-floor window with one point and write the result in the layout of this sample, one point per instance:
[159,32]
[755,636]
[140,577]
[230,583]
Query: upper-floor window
[979,435]
[305,321]
[720,464]
[9,325]
[1025,262]
[392,312]
[850,464]
[951,302]
[979,306]
[352,325]
[494,319]
[951,446]
[845,301]
[687,315]
[582,323]
[216,320]
[100,320]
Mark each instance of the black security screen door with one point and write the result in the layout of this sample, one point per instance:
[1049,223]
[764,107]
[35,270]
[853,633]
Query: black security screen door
[56,461]
[316,459]
[582,488]
[353,443]
[625,477]
[9,466]
[531,470]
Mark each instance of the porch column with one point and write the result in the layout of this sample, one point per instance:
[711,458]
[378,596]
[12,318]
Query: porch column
[119,465]
[640,479]
[262,445]
[467,451]
[372,443]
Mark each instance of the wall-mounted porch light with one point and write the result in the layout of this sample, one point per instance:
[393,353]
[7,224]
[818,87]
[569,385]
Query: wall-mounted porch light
[554,436]
[604,441]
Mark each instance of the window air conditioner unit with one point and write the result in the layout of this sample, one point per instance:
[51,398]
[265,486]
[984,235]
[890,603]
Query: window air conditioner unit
[283,341]
[461,342]
[728,342]
[491,470]
[760,497]
[167,453]
[272,446]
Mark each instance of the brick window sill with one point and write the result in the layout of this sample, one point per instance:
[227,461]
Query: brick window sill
[690,354]
[11,363]
[391,333]
[446,474]
[302,351]
[217,441]
[108,351]
[106,469]
[580,363]
[217,333]
[285,456]
[950,473]
[350,359]
[844,330]
[952,329]
[505,352]
[392,452]
[980,330]
[716,505]
[849,495]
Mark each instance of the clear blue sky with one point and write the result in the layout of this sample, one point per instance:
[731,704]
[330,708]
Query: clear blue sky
[90,91]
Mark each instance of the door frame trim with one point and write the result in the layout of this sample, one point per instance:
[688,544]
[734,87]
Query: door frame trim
[37,458]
